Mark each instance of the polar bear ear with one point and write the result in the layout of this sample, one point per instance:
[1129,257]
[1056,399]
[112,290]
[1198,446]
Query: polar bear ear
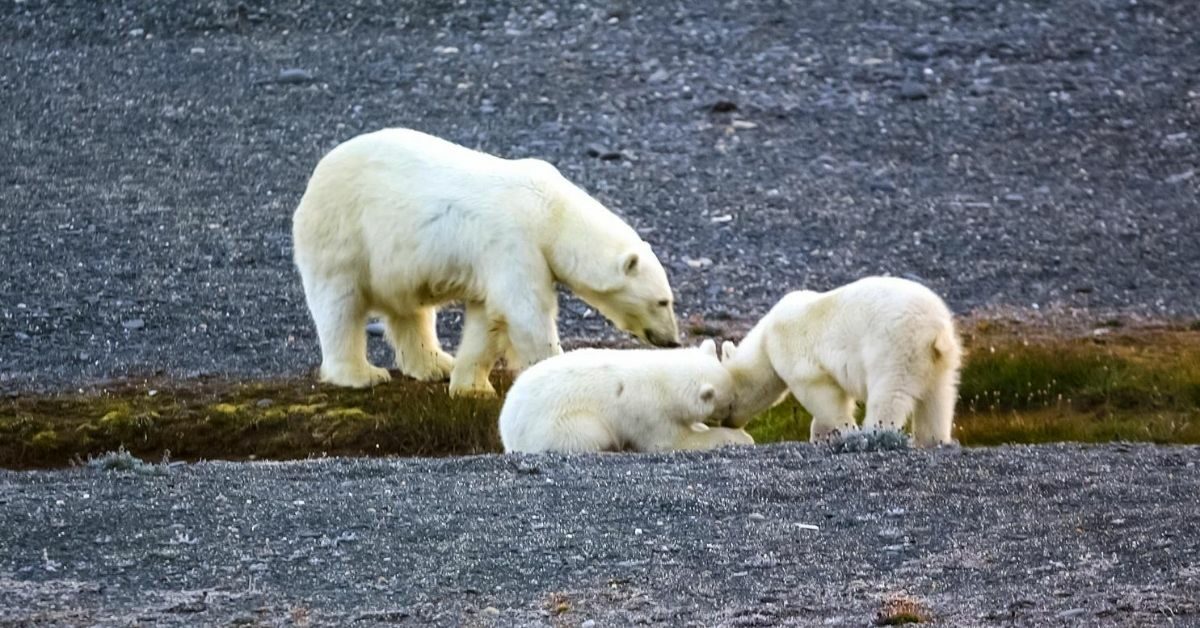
[709,346]
[727,348]
[707,392]
[629,264]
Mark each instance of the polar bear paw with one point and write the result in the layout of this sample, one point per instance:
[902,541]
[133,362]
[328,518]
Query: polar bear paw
[432,368]
[360,376]
[478,390]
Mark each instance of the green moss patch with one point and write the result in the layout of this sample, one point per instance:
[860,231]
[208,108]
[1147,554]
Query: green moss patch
[1018,386]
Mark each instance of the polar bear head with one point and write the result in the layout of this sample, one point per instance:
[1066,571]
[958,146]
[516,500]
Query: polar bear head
[706,385]
[635,295]
[756,386]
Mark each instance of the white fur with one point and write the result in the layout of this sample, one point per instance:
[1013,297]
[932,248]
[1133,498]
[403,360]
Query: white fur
[887,341]
[608,400]
[398,222]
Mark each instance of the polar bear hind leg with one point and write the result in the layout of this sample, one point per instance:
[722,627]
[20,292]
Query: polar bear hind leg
[413,336]
[934,417]
[575,433]
[339,312]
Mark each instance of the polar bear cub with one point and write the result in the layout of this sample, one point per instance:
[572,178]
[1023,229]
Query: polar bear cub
[397,222]
[889,341]
[608,400]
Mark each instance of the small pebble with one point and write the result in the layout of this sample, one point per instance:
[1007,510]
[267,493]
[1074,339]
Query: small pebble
[912,90]
[294,75]
[1182,176]
[133,323]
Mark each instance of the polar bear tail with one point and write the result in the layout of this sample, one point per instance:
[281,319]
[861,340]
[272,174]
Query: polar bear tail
[947,349]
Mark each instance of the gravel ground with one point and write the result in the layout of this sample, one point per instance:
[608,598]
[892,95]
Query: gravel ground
[773,535]
[1010,154]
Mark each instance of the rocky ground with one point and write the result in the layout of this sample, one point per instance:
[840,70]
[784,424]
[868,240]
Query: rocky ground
[774,535]
[1009,154]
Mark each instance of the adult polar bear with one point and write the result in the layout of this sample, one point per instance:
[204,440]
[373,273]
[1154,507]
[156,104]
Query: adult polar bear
[398,222]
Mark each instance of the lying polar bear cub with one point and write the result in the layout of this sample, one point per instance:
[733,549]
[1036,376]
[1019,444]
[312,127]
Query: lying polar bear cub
[889,341]
[398,222]
[607,400]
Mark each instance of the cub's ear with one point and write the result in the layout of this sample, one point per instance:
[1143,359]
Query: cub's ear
[727,349]
[709,346]
[707,392]
[629,264]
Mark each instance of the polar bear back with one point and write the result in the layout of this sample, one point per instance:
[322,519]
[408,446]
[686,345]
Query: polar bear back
[865,329]
[410,214]
[606,400]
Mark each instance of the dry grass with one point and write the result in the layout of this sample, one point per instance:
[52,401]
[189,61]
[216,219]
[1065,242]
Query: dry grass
[1019,386]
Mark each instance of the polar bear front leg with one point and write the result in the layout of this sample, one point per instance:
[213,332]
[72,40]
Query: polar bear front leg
[532,335]
[413,337]
[831,408]
[339,313]
[888,405]
[701,436]
[477,352]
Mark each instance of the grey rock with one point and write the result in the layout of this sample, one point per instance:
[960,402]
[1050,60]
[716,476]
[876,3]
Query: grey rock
[294,76]
[913,90]
[922,52]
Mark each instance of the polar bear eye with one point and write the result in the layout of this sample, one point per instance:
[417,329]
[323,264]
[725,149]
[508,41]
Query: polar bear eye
[664,303]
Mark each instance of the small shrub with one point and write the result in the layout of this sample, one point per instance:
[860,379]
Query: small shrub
[122,460]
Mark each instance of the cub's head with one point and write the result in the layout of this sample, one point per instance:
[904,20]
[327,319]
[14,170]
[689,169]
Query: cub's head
[741,408]
[707,385]
[636,297]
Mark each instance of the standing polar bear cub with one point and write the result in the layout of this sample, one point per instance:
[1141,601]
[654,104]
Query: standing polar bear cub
[889,341]
[607,400]
[398,222]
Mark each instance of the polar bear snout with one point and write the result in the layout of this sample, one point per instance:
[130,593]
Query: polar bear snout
[652,337]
